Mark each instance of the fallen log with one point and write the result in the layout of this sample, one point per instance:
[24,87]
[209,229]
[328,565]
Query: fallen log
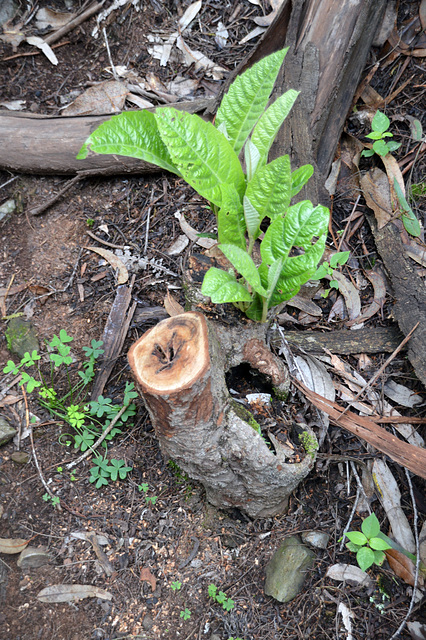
[180,367]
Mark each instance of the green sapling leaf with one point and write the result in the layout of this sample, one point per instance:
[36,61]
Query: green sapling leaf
[380,122]
[230,218]
[247,97]
[381,148]
[269,191]
[133,134]
[300,177]
[202,154]
[252,219]
[365,558]
[270,122]
[357,537]
[223,287]
[370,526]
[340,257]
[244,264]
[378,544]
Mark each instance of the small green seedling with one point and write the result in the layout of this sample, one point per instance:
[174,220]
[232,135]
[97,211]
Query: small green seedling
[409,219]
[185,614]
[220,597]
[105,470]
[206,155]
[55,500]
[379,131]
[327,268]
[148,499]
[176,586]
[367,544]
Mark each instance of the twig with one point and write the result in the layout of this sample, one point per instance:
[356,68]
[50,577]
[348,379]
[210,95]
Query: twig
[105,242]
[380,371]
[69,26]
[148,219]
[348,524]
[416,575]
[113,69]
[36,462]
[99,440]
[46,205]
[8,182]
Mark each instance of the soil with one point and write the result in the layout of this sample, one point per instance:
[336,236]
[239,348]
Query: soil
[158,529]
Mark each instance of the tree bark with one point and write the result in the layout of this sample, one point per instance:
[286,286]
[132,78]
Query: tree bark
[180,367]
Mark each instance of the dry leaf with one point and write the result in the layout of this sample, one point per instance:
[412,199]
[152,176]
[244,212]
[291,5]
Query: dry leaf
[48,18]
[123,274]
[13,36]
[207,243]
[417,630]
[402,566]
[376,190]
[379,287]
[401,395]
[172,306]
[349,573]
[106,97]
[189,14]
[72,592]
[138,101]
[199,60]
[35,41]
[350,294]
[146,576]
[12,545]
[14,105]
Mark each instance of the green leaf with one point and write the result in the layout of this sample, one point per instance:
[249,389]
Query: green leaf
[267,128]
[381,148]
[375,135]
[269,191]
[367,153]
[365,558]
[300,177]
[379,545]
[353,547]
[340,257]
[379,557]
[201,153]
[273,276]
[212,590]
[134,134]
[223,287]
[380,122]
[247,97]
[244,264]
[11,367]
[252,219]
[357,537]
[393,145]
[231,225]
[409,219]
[370,526]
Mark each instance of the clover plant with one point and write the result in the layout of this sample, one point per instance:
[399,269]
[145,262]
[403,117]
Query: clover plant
[206,156]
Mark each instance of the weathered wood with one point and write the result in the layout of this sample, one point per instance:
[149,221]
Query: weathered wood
[409,291]
[343,341]
[180,368]
[32,143]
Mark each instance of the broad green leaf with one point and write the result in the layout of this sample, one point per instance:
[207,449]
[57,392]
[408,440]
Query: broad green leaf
[244,265]
[301,224]
[269,191]
[380,122]
[230,218]
[411,224]
[379,557]
[252,219]
[370,526]
[134,134]
[340,257]
[375,135]
[222,287]
[255,310]
[379,545]
[365,558]
[247,97]
[300,177]
[267,128]
[273,276]
[201,153]
[357,537]
[380,147]
[393,145]
[353,547]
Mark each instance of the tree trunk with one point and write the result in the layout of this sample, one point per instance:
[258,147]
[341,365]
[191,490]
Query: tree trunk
[180,367]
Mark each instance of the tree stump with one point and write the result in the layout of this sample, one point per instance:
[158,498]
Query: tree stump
[180,367]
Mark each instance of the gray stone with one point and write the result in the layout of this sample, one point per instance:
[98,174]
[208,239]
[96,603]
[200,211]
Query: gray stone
[318,539]
[147,622]
[33,557]
[286,570]
[20,457]
[21,337]
[6,431]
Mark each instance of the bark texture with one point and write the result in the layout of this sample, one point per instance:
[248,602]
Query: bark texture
[180,368]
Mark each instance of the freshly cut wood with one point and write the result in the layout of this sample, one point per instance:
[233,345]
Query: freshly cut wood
[180,367]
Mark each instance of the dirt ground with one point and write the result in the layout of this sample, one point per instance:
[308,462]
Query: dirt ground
[177,537]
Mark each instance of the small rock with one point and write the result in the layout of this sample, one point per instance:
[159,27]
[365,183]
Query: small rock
[317,539]
[286,570]
[33,557]
[21,337]
[20,457]
[147,622]
[6,431]
[7,208]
